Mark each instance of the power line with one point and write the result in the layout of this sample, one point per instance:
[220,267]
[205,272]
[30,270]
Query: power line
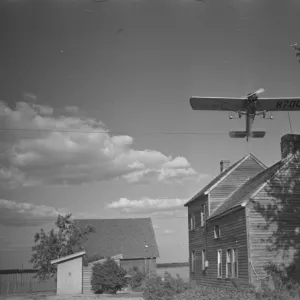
[111,132]
[290,122]
[123,132]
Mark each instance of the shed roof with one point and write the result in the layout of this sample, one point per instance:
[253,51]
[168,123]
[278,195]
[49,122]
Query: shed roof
[219,178]
[248,189]
[68,257]
[133,238]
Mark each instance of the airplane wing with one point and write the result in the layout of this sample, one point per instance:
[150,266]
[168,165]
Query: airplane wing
[217,103]
[279,104]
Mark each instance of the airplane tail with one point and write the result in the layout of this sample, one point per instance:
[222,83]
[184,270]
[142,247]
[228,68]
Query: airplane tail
[237,134]
[243,134]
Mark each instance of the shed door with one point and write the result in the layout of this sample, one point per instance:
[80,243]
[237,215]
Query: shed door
[69,279]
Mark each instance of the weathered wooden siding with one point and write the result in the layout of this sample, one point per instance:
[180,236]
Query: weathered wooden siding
[197,236]
[233,228]
[233,235]
[279,199]
[86,280]
[249,168]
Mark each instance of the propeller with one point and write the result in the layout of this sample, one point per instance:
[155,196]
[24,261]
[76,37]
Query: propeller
[259,91]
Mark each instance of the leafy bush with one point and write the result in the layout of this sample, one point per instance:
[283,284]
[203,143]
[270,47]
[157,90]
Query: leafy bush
[207,292]
[168,287]
[107,277]
[158,288]
[137,278]
[210,293]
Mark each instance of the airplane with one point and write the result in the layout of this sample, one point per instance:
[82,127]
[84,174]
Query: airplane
[250,106]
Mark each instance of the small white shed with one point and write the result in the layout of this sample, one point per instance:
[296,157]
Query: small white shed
[69,274]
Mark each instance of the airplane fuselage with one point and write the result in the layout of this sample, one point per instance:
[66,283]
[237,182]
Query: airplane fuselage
[250,115]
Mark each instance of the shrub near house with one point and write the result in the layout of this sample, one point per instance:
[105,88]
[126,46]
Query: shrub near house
[137,278]
[158,288]
[176,289]
[107,277]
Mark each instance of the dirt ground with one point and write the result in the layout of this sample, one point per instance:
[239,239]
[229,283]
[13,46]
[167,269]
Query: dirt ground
[121,296]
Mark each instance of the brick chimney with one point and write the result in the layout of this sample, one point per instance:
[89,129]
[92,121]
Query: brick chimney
[224,164]
[290,144]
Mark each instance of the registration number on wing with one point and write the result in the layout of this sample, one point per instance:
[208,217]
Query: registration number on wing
[281,104]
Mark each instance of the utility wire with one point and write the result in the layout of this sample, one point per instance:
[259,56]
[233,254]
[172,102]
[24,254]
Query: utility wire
[290,122]
[111,132]
[118,132]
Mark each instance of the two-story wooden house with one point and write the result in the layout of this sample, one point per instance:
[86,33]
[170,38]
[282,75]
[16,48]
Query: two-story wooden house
[245,218]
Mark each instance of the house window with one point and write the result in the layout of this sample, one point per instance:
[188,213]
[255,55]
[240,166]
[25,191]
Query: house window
[219,263]
[192,222]
[228,263]
[231,263]
[202,215]
[203,259]
[217,232]
[193,261]
[234,263]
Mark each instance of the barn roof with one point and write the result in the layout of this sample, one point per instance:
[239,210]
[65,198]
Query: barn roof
[248,189]
[128,237]
[219,178]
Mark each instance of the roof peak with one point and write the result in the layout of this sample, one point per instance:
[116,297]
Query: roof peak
[249,189]
[221,176]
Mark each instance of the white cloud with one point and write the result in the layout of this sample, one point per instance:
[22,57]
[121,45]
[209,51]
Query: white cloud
[25,214]
[147,205]
[39,155]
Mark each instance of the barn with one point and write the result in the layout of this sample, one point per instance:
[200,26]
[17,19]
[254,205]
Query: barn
[130,241]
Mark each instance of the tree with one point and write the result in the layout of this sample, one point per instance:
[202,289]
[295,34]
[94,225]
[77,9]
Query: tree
[280,210]
[66,239]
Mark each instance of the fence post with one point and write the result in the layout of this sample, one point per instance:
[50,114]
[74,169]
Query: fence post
[22,276]
[30,284]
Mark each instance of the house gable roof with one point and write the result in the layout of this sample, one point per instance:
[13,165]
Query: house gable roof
[219,178]
[249,189]
[128,237]
[68,257]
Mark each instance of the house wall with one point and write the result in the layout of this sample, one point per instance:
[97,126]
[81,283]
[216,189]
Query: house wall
[273,224]
[249,168]
[197,237]
[233,235]
[69,277]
